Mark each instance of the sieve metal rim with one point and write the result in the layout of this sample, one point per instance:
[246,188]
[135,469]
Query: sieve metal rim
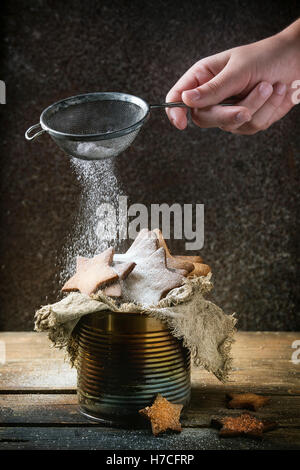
[97,96]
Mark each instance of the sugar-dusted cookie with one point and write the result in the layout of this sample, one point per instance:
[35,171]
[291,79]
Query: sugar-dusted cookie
[163,415]
[150,280]
[143,246]
[123,270]
[244,425]
[91,273]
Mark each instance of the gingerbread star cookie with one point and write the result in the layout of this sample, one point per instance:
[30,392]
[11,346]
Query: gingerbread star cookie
[91,273]
[192,264]
[143,246]
[247,401]
[123,270]
[163,415]
[243,425]
[150,280]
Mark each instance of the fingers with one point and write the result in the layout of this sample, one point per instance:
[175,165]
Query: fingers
[257,97]
[177,116]
[266,114]
[226,117]
[252,103]
[228,82]
[199,73]
[231,118]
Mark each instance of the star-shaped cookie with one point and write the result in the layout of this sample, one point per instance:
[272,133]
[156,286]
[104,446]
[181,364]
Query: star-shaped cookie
[192,264]
[123,270]
[143,246]
[150,280]
[91,273]
[244,425]
[163,415]
[247,401]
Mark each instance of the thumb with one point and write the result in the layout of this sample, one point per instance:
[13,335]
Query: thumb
[225,84]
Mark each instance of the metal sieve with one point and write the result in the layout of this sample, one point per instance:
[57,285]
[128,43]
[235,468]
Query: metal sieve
[95,126]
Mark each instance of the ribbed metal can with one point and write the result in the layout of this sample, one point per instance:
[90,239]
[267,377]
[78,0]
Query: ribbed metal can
[124,360]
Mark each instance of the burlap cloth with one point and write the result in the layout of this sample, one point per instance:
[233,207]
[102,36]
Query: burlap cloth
[204,328]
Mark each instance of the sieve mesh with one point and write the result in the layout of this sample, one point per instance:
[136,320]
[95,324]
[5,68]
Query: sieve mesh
[93,117]
[98,149]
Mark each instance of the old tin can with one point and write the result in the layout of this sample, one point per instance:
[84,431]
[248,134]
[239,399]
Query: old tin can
[125,359]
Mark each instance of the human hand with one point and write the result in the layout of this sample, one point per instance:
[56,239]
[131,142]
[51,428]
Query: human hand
[257,75]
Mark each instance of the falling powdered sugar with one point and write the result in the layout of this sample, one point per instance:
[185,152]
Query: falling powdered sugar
[91,233]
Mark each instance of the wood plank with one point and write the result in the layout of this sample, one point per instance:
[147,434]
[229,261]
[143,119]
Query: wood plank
[262,362]
[62,409]
[44,438]
[31,364]
[283,409]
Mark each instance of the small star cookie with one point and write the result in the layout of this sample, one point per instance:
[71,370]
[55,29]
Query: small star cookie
[91,273]
[247,401]
[244,425]
[192,264]
[163,415]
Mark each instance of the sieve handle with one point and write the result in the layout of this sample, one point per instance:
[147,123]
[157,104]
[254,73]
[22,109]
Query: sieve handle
[180,104]
[34,136]
[176,104]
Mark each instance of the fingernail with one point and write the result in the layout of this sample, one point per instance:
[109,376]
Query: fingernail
[242,117]
[280,88]
[265,89]
[179,125]
[177,122]
[173,118]
[193,95]
[172,114]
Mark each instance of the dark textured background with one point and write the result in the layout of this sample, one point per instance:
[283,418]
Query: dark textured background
[249,185]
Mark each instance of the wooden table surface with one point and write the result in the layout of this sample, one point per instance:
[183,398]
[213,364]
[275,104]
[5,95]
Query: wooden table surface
[38,404]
